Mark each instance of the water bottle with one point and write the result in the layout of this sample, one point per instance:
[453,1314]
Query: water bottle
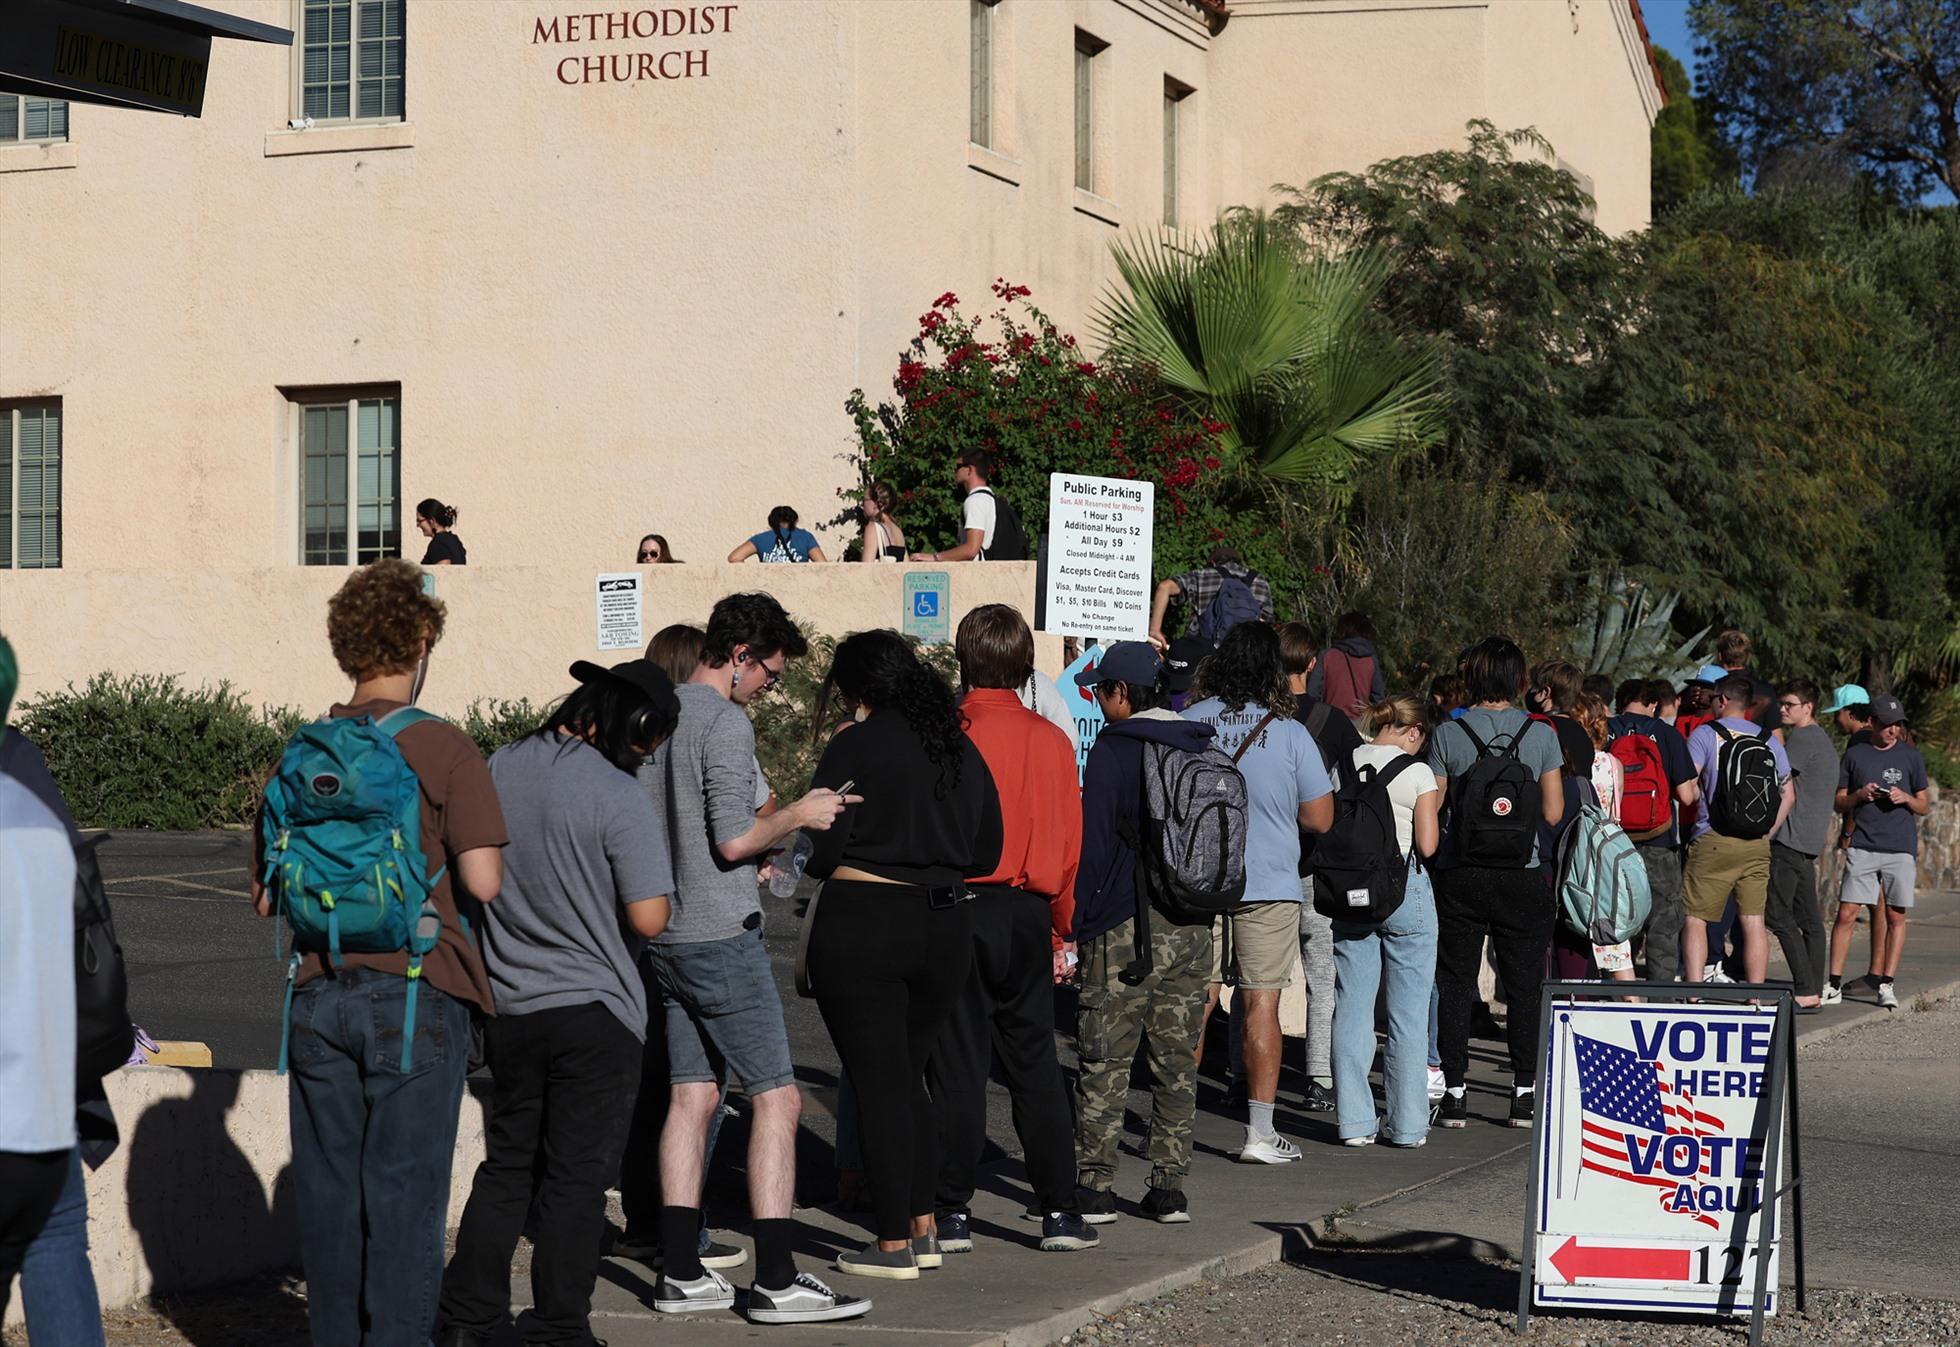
[789,866]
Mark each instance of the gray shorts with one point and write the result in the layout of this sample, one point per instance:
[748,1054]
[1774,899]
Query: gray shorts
[1865,871]
[724,1015]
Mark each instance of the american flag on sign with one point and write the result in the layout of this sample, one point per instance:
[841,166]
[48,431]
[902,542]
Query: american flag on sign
[1623,1100]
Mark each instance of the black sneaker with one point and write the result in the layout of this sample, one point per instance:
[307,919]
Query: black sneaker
[1065,1232]
[955,1233]
[1097,1205]
[1166,1206]
[1319,1098]
[1524,1106]
[1453,1110]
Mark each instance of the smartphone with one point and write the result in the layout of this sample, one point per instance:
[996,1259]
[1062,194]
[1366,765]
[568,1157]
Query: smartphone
[845,789]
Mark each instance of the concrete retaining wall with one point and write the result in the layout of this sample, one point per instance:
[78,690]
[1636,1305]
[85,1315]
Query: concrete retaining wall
[1939,850]
[199,1193]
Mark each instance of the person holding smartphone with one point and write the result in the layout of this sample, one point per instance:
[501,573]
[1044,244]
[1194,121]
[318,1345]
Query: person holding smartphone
[1882,787]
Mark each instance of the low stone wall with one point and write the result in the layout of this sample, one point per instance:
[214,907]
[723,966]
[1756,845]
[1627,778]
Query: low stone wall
[1939,850]
[200,1191]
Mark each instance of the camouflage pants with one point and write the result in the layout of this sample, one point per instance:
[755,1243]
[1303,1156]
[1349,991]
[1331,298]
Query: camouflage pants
[1164,1012]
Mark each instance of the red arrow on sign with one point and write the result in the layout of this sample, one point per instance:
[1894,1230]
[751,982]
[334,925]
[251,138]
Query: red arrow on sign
[1620,1264]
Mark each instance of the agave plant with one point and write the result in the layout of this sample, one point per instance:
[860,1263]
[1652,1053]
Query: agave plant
[1631,634]
[1285,350]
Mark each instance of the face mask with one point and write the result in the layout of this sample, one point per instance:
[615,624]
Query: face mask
[862,714]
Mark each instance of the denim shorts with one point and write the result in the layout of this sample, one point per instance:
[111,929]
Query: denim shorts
[724,1014]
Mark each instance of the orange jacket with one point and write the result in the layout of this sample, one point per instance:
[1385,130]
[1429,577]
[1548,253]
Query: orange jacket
[1040,800]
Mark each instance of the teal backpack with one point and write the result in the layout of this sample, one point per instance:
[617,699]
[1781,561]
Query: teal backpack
[1602,882]
[342,835]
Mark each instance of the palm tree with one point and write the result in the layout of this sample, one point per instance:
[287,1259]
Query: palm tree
[1285,349]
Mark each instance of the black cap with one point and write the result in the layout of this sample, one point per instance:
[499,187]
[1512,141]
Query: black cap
[1133,662]
[1181,662]
[1886,710]
[641,675]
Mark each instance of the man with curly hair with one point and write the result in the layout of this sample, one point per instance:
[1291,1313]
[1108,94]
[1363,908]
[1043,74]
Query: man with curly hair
[1248,701]
[374,1129]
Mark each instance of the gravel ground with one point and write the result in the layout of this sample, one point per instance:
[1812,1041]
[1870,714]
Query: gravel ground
[1388,1299]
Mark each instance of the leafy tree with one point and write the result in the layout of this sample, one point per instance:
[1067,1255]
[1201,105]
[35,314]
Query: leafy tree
[1284,351]
[1689,154]
[1821,90]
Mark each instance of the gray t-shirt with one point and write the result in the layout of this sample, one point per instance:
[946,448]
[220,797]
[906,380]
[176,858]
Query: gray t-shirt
[583,842]
[1880,825]
[1451,752]
[702,781]
[1814,763]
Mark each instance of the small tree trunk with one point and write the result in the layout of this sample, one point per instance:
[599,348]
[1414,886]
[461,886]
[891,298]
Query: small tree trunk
[1876,672]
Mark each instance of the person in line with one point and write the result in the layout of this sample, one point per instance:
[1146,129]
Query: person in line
[1503,897]
[37,1007]
[1553,692]
[1883,787]
[1598,685]
[1851,712]
[1022,916]
[1247,701]
[373,1141]
[1640,737]
[1793,914]
[892,945]
[1224,589]
[437,522]
[881,539]
[783,543]
[586,877]
[724,1015]
[1040,695]
[676,650]
[1446,695]
[1719,864]
[1606,779]
[654,551]
[990,530]
[1732,647]
[1337,738]
[1400,951]
[1163,1009]
[1349,676]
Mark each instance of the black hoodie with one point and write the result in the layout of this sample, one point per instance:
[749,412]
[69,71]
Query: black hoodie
[1112,795]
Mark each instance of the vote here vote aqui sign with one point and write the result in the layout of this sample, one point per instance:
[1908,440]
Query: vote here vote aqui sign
[1098,556]
[1654,1124]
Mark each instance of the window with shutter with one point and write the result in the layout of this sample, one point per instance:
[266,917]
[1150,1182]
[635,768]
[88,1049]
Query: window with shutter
[350,57]
[980,122]
[32,119]
[30,485]
[349,458]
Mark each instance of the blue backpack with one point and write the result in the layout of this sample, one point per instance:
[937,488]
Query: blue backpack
[342,834]
[1232,604]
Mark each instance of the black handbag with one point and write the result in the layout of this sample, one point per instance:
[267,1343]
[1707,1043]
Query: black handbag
[104,1036]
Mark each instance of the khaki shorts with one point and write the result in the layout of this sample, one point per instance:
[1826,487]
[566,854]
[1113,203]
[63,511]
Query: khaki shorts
[1719,865]
[1264,945]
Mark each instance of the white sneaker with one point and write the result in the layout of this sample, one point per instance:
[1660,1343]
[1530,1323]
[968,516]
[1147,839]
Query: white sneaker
[1272,1150]
[1887,997]
[1368,1140]
[1716,973]
[1831,996]
[709,1291]
[805,1300]
[1436,1084]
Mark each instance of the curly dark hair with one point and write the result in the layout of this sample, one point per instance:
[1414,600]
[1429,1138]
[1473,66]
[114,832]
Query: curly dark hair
[378,619]
[756,621]
[879,669]
[1246,670]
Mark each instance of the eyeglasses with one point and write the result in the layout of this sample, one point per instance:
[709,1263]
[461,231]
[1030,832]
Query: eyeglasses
[1789,703]
[649,556]
[772,676]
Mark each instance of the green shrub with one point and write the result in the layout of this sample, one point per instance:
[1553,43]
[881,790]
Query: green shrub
[495,721]
[140,751]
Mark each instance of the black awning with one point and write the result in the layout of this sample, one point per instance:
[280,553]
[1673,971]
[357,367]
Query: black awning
[152,54]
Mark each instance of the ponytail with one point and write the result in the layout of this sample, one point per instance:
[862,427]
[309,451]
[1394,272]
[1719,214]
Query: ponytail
[1401,712]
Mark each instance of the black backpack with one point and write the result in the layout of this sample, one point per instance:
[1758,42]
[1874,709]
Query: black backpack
[1494,806]
[1010,539]
[1745,800]
[103,1034]
[1359,870]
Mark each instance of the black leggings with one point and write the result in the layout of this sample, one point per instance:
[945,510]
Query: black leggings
[888,968]
[1515,909]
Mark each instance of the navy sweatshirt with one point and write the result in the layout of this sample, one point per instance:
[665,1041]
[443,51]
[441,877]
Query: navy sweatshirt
[1112,795]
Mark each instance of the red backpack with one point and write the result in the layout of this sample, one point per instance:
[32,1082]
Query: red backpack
[1646,801]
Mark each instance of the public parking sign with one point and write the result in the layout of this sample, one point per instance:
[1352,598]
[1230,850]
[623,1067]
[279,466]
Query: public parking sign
[1661,1145]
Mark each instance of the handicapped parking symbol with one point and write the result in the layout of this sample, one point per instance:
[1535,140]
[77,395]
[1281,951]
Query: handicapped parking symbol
[925,603]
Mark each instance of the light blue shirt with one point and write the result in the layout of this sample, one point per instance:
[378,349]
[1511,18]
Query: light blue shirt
[37,975]
[1705,748]
[1282,771]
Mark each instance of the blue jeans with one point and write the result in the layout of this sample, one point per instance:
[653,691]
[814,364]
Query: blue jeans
[1403,950]
[372,1149]
[57,1287]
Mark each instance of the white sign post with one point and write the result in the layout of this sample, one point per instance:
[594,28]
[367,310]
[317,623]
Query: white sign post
[1662,1141]
[619,612]
[1098,556]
